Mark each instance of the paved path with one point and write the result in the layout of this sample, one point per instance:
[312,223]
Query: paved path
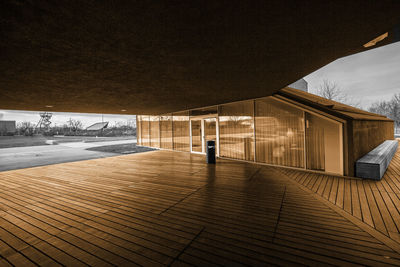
[84,145]
[32,156]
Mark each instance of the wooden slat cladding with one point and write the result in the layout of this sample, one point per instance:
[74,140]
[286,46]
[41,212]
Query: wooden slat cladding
[168,208]
[369,134]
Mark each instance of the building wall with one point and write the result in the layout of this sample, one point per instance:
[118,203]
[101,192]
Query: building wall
[367,135]
[300,84]
[266,130]
[236,130]
[7,127]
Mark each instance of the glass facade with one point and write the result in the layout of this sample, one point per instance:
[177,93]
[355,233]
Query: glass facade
[145,127]
[155,131]
[138,130]
[236,130]
[181,134]
[197,145]
[266,130]
[323,144]
[279,133]
[166,132]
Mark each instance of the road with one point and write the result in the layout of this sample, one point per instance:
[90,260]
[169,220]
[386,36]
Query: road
[32,156]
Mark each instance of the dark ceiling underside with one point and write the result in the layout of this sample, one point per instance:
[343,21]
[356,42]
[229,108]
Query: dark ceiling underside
[153,57]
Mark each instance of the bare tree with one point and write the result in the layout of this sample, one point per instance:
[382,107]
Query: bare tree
[390,109]
[25,128]
[74,125]
[332,91]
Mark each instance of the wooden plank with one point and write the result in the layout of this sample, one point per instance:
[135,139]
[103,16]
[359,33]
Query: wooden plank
[365,210]
[375,214]
[168,208]
[355,200]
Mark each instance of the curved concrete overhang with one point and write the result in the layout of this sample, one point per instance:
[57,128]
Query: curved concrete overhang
[162,56]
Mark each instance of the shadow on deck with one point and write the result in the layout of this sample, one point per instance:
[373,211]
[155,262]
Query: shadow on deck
[170,208]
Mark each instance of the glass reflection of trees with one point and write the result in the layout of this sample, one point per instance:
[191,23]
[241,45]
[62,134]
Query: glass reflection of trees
[236,130]
[279,133]
[181,128]
[166,131]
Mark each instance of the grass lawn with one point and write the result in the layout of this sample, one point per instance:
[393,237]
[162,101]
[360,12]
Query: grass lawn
[121,149]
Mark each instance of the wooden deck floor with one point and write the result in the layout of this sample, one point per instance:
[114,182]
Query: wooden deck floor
[376,203]
[170,208]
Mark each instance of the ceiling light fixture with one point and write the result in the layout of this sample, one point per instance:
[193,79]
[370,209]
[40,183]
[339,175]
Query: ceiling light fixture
[377,39]
[48,106]
[123,110]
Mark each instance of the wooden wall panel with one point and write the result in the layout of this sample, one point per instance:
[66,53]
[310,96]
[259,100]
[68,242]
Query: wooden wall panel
[367,135]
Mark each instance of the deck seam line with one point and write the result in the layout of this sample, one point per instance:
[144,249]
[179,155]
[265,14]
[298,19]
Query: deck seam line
[279,215]
[188,245]
[395,246]
[187,196]
[254,174]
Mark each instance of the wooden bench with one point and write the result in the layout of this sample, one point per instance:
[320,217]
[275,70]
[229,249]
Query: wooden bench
[374,164]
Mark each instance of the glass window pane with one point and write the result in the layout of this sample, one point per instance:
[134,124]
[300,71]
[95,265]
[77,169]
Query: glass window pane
[145,131]
[154,131]
[138,130]
[197,145]
[324,148]
[166,131]
[279,133]
[236,130]
[210,132]
[181,131]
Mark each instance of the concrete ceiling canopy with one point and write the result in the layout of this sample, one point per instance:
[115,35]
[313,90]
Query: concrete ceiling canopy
[153,57]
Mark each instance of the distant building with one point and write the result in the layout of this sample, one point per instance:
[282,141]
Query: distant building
[7,127]
[300,84]
[97,126]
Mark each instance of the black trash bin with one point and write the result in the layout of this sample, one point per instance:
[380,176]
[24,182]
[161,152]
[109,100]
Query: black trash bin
[210,151]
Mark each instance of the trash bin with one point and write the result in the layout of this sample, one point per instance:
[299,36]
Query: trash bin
[210,150]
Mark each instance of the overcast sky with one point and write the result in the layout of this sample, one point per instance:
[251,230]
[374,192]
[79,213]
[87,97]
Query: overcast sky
[369,76]
[60,118]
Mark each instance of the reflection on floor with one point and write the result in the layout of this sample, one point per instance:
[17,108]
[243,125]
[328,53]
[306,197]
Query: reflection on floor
[170,208]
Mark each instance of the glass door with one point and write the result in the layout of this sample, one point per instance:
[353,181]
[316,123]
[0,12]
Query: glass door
[197,136]
[210,129]
[203,130]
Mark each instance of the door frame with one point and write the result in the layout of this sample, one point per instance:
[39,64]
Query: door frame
[203,143]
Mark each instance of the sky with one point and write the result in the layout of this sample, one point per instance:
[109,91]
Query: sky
[366,77]
[60,118]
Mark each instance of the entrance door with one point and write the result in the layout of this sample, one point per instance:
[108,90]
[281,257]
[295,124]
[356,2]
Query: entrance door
[203,130]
